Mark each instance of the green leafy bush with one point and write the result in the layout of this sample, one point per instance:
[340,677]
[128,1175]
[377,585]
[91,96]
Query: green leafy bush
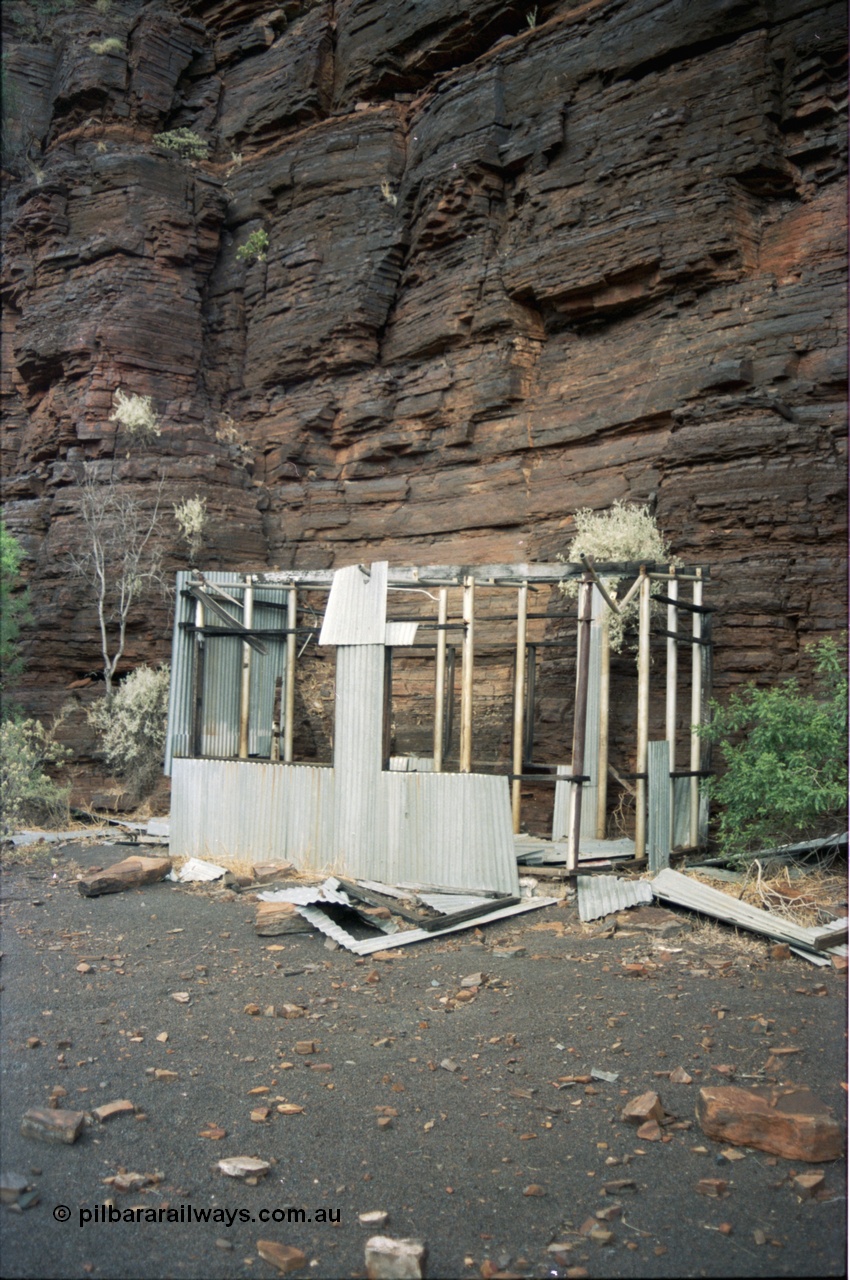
[255,247]
[785,779]
[132,725]
[28,795]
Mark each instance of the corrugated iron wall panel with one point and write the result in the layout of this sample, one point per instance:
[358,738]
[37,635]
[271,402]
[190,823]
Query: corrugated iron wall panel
[358,747]
[448,829]
[245,810]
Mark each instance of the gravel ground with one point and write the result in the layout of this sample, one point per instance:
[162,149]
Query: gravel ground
[485,1156]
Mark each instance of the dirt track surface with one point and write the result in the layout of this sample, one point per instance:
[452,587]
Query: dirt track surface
[464,1145]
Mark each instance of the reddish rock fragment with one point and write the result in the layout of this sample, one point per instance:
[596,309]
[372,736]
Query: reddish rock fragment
[283,1256]
[52,1125]
[786,1121]
[647,1106]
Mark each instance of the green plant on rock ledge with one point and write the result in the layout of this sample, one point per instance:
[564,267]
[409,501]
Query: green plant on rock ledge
[255,247]
[184,143]
[785,757]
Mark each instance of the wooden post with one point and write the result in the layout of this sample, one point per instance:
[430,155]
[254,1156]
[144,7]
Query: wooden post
[604,713]
[274,745]
[519,701]
[440,679]
[642,717]
[579,720]
[696,710]
[198,683]
[245,691]
[530,696]
[466,675]
[289,696]
[672,678]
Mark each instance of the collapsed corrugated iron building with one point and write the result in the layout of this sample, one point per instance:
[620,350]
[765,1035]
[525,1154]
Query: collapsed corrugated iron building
[314,716]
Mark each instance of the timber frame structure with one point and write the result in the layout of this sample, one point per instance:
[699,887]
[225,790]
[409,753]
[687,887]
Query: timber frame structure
[239,793]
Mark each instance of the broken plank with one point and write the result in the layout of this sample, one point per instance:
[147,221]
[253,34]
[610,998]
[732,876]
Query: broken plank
[470,913]
[830,935]
[368,945]
[378,900]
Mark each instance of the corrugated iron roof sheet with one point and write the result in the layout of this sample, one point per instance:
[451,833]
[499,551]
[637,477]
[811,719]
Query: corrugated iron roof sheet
[603,895]
[356,611]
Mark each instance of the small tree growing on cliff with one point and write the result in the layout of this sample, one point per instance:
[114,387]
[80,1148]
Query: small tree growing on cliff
[118,560]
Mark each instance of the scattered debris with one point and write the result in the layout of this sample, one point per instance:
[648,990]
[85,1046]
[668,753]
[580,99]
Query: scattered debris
[786,1121]
[12,1186]
[374,1218]
[388,1259]
[49,1125]
[111,1110]
[647,1106]
[609,1077]
[129,874]
[244,1167]
[195,871]
[274,918]
[124,1182]
[713,1187]
[806,1185]
[266,872]
[283,1256]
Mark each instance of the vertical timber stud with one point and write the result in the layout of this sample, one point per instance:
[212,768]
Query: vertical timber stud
[440,679]
[580,719]
[672,677]
[289,697]
[642,716]
[696,710]
[604,714]
[245,691]
[519,701]
[466,675]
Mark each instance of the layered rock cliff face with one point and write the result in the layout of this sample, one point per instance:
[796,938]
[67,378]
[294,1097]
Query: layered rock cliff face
[521,260]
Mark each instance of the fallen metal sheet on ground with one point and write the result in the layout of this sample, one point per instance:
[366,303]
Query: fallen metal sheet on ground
[365,946]
[55,837]
[446,903]
[672,886]
[604,895]
[305,895]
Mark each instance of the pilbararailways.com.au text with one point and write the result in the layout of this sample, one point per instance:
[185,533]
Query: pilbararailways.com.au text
[188,1214]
